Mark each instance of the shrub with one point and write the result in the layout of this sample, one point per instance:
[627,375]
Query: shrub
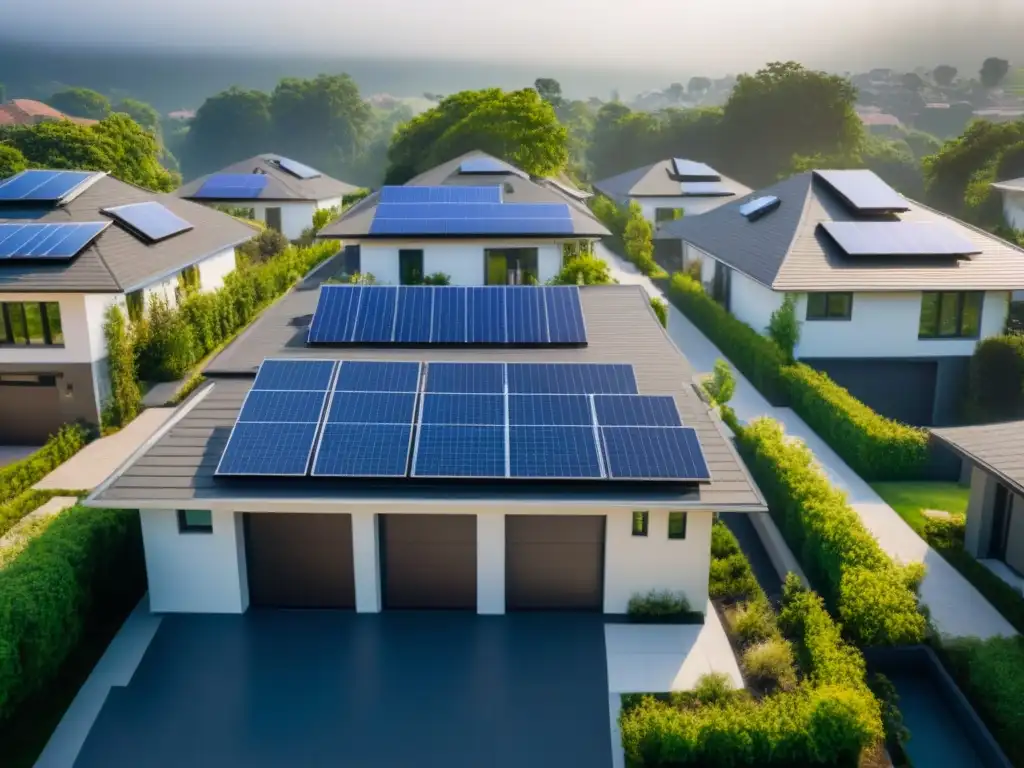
[125,399]
[638,241]
[754,621]
[658,604]
[769,664]
[896,733]
[11,512]
[583,270]
[713,688]
[264,246]
[784,328]
[996,389]
[324,216]
[945,532]
[20,476]
[437,278]
[165,343]
[875,447]
[731,577]
[721,385]
[660,310]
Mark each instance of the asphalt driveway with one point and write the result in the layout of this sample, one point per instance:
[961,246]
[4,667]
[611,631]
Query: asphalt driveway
[279,688]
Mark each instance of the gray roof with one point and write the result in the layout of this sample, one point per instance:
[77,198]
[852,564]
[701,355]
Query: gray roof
[355,222]
[281,185]
[996,448]
[785,250]
[1011,185]
[118,261]
[178,467]
[654,181]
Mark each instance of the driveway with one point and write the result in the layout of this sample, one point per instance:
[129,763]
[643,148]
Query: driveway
[280,688]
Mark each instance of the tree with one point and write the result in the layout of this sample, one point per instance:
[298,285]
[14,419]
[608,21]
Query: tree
[81,102]
[944,74]
[142,113]
[912,81]
[699,85]
[550,90]
[584,270]
[675,92]
[784,328]
[949,172]
[11,161]
[1011,162]
[993,70]
[230,126]
[721,385]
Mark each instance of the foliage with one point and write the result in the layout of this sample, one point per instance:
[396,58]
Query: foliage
[353,197]
[11,161]
[516,126]
[550,90]
[229,126]
[784,328]
[731,577]
[896,733]
[754,622]
[583,270]
[638,241]
[722,384]
[769,664]
[658,604]
[81,102]
[324,216]
[83,566]
[142,113]
[20,476]
[698,85]
[996,388]
[437,278]
[12,511]
[993,70]
[166,349]
[125,400]
[863,586]
[660,308]
[264,246]
[944,74]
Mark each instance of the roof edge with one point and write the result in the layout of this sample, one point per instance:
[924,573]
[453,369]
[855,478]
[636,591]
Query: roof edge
[974,459]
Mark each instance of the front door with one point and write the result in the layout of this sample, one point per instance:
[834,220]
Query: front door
[274,218]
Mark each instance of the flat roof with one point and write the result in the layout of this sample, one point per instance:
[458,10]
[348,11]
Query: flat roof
[996,448]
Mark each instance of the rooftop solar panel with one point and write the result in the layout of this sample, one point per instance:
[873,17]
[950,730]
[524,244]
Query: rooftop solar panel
[653,453]
[691,170]
[485,315]
[232,186]
[376,319]
[454,194]
[374,376]
[47,241]
[482,410]
[704,189]
[45,186]
[372,407]
[898,238]
[636,410]
[336,311]
[527,316]
[297,169]
[864,191]
[444,450]
[268,449]
[414,317]
[759,206]
[553,452]
[151,220]
[482,378]
[550,410]
[312,375]
[283,406]
[363,450]
[571,378]
[489,165]
[565,315]
[451,307]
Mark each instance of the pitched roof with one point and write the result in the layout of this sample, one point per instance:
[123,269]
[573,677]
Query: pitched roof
[1010,185]
[621,328]
[996,448]
[118,261]
[281,185]
[356,221]
[655,180]
[29,112]
[786,251]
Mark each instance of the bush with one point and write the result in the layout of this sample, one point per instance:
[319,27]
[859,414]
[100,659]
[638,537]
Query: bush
[660,310]
[165,343]
[324,216]
[437,278]
[731,577]
[875,447]
[721,385]
[11,512]
[945,532]
[996,389]
[84,567]
[784,328]
[658,604]
[638,241]
[264,246]
[769,664]
[583,270]
[754,621]
[20,476]
[125,399]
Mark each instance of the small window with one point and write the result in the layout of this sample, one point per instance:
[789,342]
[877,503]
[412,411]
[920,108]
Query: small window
[31,322]
[667,214]
[410,267]
[950,315]
[677,525]
[195,521]
[639,523]
[16,333]
[829,306]
[54,328]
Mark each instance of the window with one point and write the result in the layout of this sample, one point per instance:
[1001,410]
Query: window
[274,218]
[195,521]
[639,523]
[136,301]
[510,266]
[950,315]
[351,260]
[667,214]
[677,525]
[410,267]
[829,306]
[34,323]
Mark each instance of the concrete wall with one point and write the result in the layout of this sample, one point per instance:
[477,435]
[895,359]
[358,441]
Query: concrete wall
[1013,208]
[78,324]
[295,217]
[213,270]
[463,261]
[691,206]
[751,302]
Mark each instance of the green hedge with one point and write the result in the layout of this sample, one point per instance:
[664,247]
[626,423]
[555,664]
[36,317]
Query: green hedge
[996,389]
[84,566]
[872,596]
[11,512]
[22,475]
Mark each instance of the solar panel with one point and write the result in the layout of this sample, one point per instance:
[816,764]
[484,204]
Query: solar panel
[565,315]
[336,312]
[455,194]
[691,170]
[376,318]
[759,206]
[653,453]
[571,378]
[553,452]
[414,318]
[150,219]
[636,410]
[485,315]
[897,238]
[297,169]
[463,409]
[232,186]
[374,376]
[463,210]
[363,450]
[312,375]
[489,165]
[704,189]
[283,406]
[863,191]
[47,241]
[450,313]
[550,410]
[444,450]
[268,449]
[527,316]
[372,407]
[45,186]
[482,378]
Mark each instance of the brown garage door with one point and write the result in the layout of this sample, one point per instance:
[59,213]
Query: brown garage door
[428,561]
[300,560]
[29,411]
[554,562]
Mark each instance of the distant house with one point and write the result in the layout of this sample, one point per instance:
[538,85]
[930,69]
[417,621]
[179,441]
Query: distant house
[29,112]
[892,296]
[1012,192]
[277,190]
[663,188]
[477,219]
[72,244]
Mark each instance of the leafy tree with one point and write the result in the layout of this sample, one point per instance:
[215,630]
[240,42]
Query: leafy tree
[142,113]
[721,385]
[125,398]
[230,126]
[698,85]
[921,144]
[912,81]
[11,161]
[134,154]
[784,328]
[584,270]
[81,102]
[949,172]
[675,92]
[993,70]
[1011,162]
[550,90]
[944,74]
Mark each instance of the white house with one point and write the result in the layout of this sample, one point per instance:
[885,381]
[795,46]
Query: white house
[1013,201]
[217,544]
[277,190]
[498,240]
[892,297]
[71,245]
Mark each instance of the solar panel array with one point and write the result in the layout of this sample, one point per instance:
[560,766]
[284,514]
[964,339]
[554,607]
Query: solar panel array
[489,165]
[232,186]
[898,238]
[704,189]
[56,242]
[522,421]
[759,206]
[485,194]
[690,170]
[863,191]
[151,220]
[298,169]
[40,186]
[458,216]
[416,314]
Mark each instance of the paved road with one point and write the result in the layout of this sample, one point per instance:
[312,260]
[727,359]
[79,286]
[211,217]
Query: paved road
[956,607]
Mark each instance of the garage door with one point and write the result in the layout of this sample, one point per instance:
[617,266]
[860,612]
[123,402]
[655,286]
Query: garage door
[29,411]
[899,389]
[554,562]
[428,561]
[300,560]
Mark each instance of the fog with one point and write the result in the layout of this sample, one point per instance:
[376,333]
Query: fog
[682,35]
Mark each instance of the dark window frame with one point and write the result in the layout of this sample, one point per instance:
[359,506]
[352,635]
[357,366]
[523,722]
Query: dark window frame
[681,536]
[961,301]
[643,518]
[831,297]
[415,253]
[8,339]
[184,526]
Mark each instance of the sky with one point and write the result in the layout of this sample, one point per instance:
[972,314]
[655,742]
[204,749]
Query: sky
[714,36]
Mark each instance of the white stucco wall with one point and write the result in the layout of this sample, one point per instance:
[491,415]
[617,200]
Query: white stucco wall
[692,206]
[195,572]
[81,317]
[213,270]
[752,302]
[1013,209]
[462,261]
[490,562]
[166,289]
[295,217]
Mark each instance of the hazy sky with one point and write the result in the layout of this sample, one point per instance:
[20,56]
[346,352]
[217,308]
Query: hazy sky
[714,36]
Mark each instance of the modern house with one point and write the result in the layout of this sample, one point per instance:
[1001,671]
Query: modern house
[277,190]
[892,296]
[995,513]
[73,244]
[29,112]
[1012,192]
[668,187]
[476,219]
[438,479]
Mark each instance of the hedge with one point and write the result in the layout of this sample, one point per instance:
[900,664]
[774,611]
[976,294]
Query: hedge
[872,596]
[85,566]
[22,475]
[11,512]
[996,389]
